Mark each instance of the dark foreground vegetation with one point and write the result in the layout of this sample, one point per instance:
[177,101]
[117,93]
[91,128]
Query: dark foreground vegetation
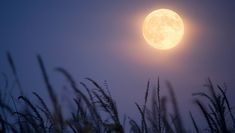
[96,110]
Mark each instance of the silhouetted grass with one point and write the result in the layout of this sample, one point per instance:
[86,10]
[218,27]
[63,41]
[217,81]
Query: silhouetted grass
[216,110]
[97,112]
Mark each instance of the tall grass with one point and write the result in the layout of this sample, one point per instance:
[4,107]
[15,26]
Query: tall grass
[216,109]
[97,112]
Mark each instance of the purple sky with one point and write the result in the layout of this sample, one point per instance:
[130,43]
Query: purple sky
[103,40]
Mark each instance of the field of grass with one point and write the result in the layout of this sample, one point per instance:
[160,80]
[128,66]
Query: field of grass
[96,110]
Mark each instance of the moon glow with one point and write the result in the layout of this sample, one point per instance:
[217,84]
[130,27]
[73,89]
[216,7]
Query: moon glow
[163,29]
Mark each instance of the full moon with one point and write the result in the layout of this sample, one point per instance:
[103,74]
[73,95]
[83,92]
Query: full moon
[163,29]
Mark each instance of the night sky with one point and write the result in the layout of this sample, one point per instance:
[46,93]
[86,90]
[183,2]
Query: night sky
[103,40]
